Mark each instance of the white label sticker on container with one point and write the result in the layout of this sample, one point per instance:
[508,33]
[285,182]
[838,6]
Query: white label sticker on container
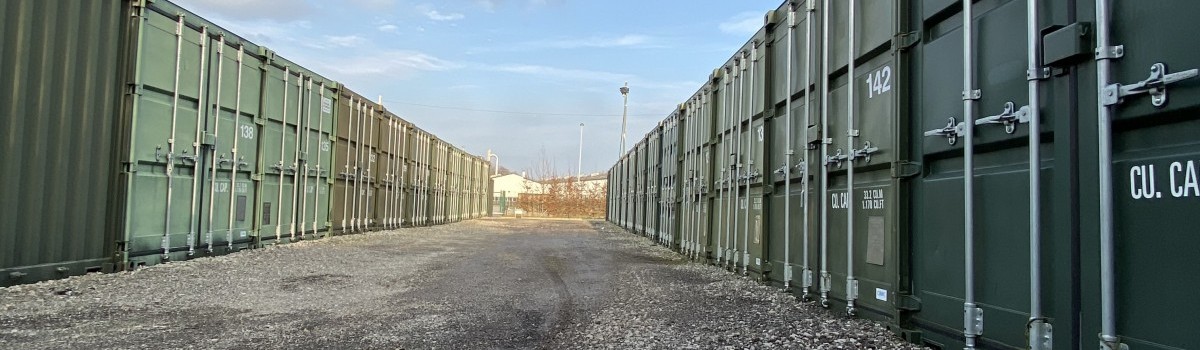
[326,105]
[881,294]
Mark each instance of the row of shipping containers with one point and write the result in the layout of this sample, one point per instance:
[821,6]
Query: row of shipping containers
[933,164]
[137,133]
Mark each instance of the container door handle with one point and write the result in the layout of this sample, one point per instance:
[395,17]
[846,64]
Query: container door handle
[952,131]
[1010,117]
[1155,85]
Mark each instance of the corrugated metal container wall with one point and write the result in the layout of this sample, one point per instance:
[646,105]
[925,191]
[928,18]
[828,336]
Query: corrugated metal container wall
[640,183]
[668,179]
[294,140]
[862,122]
[390,191]
[696,173]
[1154,182]
[193,139]
[60,82]
[653,174]
[421,177]
[354,162]
[795,64]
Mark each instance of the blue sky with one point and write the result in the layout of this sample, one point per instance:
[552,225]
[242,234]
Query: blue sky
[514,76]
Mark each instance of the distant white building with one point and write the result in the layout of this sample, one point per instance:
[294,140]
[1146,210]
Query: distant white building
[508,188]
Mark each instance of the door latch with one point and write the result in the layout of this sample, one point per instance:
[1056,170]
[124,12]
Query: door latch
[864,153]
[952,131]
[1155,85]
[1010,117]
[836,159]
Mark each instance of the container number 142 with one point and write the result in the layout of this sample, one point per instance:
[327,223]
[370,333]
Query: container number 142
[879,82]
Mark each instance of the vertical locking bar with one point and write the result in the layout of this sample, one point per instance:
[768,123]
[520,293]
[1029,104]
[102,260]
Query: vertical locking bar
[826,278]
[851,134]
[194,218]
[787,162]
[321,139]
[807,280]
[1039,326]
[216,131]
[166,235]
[1105,114]
[282,144]
[972,316]
[233,152]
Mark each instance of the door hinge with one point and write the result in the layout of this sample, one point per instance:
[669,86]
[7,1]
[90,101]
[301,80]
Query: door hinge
[136,89]
[903,169]
[908,302]
[904,41]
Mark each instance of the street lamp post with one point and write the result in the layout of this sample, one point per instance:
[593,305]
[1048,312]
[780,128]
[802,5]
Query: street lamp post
[579,165]
[624,117]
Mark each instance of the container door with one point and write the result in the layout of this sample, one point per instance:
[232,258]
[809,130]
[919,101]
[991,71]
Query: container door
[349,116]
[863,126]
[1155,167]
[165,136]
[1000,191]
[278,142]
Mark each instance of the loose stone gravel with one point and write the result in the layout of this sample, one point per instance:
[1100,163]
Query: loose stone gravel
[481,284]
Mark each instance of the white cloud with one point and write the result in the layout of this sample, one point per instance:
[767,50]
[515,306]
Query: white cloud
[558,73]
[375,4]
[345,41]
[488,5]
[388,28]
[284,10]
[599,42]
[395,63]
[438,16]
[745,23]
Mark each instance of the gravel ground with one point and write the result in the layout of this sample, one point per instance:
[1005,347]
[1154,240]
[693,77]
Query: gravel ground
[481,284]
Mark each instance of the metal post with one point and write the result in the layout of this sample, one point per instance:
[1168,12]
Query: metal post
[296,157]
[789,151]
[807,272]
[287,73]
[320,140]
[307,151]
[212,183]
[624,116]
[721,247]
[166,235]
[726,140]
[346,173]
[1105,113]
[1039,327]
[826,278]
[972,315]
[749,112]
[194,218]
[237,135]
[579,164]
[737,162]
[851,133]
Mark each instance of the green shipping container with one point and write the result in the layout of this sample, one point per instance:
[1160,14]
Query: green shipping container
[62,68]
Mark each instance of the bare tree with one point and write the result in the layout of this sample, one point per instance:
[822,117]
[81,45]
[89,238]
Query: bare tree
[552,195]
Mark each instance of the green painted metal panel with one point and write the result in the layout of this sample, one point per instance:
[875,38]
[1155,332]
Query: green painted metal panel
[1156,159]
[62,65]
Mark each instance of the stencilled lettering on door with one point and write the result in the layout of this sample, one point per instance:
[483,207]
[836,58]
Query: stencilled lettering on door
[1177,179]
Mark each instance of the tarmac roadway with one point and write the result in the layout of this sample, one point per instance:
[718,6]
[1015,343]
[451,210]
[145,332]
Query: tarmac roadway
[482,284]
